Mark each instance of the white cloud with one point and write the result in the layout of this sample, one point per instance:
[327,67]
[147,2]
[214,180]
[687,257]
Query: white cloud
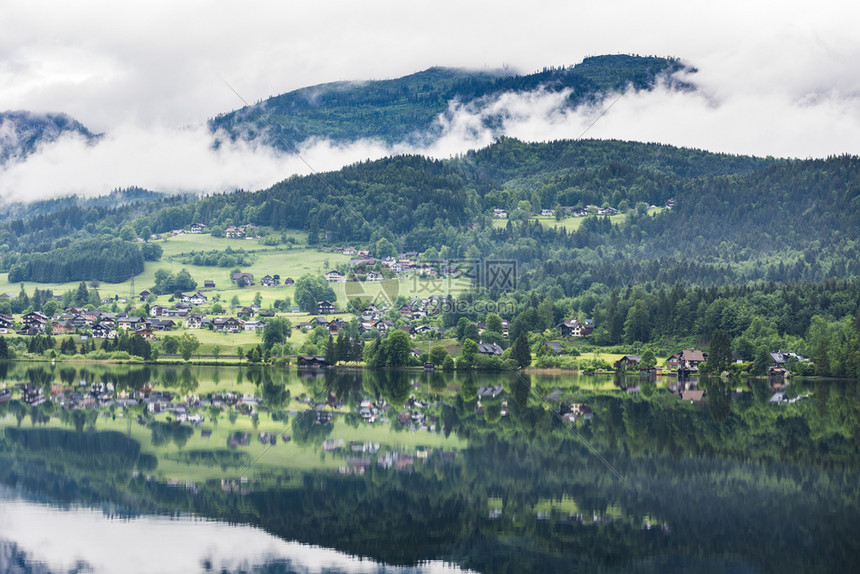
[773,80]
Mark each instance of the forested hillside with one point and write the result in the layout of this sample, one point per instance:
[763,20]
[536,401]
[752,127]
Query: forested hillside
[405,109]
[21,132]
[735,219]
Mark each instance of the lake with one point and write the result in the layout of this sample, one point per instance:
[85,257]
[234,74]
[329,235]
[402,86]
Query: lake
[182,469]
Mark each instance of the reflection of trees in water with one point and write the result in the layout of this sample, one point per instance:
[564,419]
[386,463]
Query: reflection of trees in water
[164,432]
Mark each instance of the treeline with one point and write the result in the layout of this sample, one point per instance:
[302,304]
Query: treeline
[218,258]
[110,260]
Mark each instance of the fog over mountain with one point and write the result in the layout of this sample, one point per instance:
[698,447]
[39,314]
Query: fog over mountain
[769,82]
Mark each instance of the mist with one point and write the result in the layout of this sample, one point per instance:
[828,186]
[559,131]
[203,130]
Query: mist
[173,160]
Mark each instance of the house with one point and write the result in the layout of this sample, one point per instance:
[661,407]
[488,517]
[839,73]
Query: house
[252,325]
[101,331]
[208,284]
[692,395]
[245,311]
[325,307]
[35,320]
[547,212]
[628,361]
[195,321]
[233,232]
[288,282]
[334,276]
[500,214]
[383,326]
[226,324]
[157,311]
[129,322]
[246,278]
[198,227]
[144,295]
[490,349]
[374,276]
[576,328]
[554,347]
[267,281]
[198,298]
[63,328]
[312,361]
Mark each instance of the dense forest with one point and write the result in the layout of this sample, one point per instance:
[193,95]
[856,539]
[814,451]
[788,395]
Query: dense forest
[406,109]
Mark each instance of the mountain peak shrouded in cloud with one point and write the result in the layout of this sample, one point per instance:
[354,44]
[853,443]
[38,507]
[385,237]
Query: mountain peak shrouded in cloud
[437,112]
[408,110]
[22,132]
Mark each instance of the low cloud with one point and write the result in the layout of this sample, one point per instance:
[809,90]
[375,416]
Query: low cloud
[172,160]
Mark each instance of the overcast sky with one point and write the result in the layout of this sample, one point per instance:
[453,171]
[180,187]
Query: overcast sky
[775,78]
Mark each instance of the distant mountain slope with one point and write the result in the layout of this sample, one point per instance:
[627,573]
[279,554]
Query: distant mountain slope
[21,132]
[405,109]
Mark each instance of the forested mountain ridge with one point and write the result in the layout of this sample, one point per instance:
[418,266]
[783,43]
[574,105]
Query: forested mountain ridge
[22,132]
[735,219]
[406,109]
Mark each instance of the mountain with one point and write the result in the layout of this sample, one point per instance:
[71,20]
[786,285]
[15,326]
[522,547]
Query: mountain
[22,132]
[406,109]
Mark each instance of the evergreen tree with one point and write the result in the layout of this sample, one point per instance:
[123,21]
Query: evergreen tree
[720,356]
[521,352]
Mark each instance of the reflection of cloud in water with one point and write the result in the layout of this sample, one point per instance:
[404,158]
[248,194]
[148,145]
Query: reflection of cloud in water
[50,539]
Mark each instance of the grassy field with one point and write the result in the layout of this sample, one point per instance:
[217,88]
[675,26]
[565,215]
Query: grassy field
[573,223]
[284,260]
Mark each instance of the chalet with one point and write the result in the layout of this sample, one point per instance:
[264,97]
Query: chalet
[692,395]
[144,295]
[129,322]
[195,321]
[554,347]
[63,328]
[334,276]
[252,325]
[383,326]
[178,312]
[325,307]
[35,320]
[198,227]
[227,324]
[409,330]
[6,323]
[266,313]
[267,281]
[234,232]
[208,284]
[312,361]
[500,214]
[157,311]
[490,349]
[198,298]
[245,312]
[160,324]
[246,278]
[146,333]
[547,212]
[101,331]
[80,321]
[416,352]
[628,361]
[374,276]
[575,328]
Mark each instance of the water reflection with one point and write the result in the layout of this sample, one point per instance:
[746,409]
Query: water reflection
[479,470]
[41,538]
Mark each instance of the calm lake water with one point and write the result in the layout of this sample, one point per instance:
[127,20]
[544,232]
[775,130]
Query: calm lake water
[184,469]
